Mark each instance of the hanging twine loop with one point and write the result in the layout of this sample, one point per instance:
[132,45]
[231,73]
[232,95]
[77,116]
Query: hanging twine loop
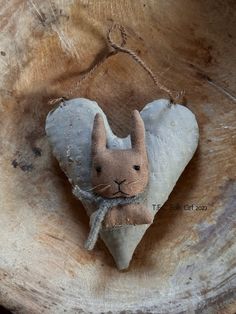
[173,96]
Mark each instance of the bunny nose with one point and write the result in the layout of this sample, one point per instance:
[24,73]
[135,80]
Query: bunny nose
[119,183]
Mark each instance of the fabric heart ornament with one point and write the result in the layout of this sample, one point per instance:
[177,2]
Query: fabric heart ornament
[122,182]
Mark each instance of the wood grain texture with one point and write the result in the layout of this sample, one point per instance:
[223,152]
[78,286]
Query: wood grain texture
[186,261]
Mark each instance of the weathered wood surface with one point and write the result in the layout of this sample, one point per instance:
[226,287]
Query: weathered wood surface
[186,260]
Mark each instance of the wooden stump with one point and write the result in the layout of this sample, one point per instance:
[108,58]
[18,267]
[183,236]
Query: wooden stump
[186,260]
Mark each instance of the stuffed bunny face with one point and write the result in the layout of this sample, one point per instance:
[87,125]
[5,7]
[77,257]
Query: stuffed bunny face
[119,173]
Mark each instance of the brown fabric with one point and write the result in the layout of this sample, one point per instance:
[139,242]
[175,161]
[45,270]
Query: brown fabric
[135,214]
[120,173]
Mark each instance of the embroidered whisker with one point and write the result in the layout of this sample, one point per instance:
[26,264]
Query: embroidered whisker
[95,187]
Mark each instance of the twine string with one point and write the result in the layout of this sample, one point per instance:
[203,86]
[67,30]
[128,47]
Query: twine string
[173,96]
[135,57]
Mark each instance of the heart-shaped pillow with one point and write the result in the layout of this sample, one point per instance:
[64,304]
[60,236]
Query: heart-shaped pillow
[171,133]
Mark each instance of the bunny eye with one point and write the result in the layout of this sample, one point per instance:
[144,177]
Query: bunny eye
[136,167]
[98,169]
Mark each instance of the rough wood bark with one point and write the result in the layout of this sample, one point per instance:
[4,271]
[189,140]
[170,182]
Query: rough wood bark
[186,261]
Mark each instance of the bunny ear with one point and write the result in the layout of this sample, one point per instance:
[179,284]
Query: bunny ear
[138,132]
[98,135]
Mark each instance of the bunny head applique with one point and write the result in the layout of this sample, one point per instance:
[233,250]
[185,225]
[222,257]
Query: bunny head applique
[121,173]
